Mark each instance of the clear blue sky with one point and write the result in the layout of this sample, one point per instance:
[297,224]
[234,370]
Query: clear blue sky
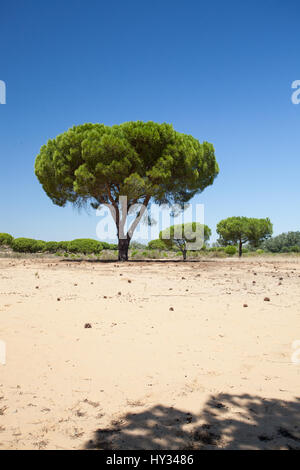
[221,71]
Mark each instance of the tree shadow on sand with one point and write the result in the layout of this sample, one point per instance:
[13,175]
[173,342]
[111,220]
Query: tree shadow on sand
[226,422]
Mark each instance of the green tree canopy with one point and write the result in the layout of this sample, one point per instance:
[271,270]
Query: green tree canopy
[94,163]
[6,239]
[157,245]
[284,242]
[243,229]
[191,235]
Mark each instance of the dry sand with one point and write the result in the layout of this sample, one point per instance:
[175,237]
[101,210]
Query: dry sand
[173,360]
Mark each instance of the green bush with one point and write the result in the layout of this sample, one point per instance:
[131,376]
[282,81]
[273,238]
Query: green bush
[63,246]
[216,248]
[105,246]
[86,246]
[40,245]
[109,246]
[259,251]
[295,249]
[28,245]
[137,245]
[51,247]
[6,239]
[156,245]
[230,250]
[283,242]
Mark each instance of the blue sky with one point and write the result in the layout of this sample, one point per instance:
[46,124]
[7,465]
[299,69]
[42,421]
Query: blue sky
[221,71]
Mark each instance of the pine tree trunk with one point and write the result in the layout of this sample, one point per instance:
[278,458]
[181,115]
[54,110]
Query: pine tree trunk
[123,249]
[240,248]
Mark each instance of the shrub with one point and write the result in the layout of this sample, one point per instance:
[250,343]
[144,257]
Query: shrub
[295,249]
[282,243]
[109,246]
[137,245]
[6,239]
[216,248]
[51,247]
[105,246]
[259,251]
[114,246]
[156,245]
[28,245]
[85,246]
[40,245]
[64,246]
[230,250]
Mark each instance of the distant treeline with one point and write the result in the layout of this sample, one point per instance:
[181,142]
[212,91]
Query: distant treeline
[285,243]
[81,245]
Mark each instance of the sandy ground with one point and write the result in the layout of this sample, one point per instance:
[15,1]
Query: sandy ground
[173,360]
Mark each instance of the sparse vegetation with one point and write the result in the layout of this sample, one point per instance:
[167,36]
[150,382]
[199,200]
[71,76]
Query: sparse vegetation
[156,249]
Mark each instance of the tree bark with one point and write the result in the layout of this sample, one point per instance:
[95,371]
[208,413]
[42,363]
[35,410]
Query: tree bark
[120,223]
[240,248]
[184,255]
[123,249]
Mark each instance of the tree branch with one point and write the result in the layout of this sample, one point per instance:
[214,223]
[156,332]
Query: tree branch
[112,200]
[139,216]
